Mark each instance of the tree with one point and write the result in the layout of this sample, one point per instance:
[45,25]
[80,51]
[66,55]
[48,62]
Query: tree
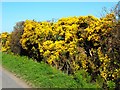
[115,9]
[15,45]
[119,10]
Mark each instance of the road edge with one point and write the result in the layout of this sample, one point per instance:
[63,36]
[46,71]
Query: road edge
[14,77]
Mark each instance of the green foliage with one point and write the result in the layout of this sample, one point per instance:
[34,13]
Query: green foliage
[111,84]
[84,78]
[99,81]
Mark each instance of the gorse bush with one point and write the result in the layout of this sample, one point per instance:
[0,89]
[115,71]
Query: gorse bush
[113,51]
[5,40]
[76,43]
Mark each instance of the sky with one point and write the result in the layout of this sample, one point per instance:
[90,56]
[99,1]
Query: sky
[13,12]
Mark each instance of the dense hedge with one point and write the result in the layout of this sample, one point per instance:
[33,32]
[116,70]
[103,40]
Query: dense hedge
[76,43]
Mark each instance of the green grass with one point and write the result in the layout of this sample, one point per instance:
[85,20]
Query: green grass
[39,75]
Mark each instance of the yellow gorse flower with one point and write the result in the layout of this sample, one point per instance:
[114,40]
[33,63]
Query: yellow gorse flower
[65,41]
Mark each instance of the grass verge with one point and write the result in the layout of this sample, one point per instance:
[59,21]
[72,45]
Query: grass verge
[39,75]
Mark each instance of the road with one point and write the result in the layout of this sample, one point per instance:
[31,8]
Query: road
[0,77]
[10,81]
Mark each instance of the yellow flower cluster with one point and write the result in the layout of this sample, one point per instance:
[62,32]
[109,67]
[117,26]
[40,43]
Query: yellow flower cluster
[5,40]
[64,41]
[105,64]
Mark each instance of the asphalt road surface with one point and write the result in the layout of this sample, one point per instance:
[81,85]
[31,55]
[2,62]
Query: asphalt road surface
[0,77]
[8,80]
